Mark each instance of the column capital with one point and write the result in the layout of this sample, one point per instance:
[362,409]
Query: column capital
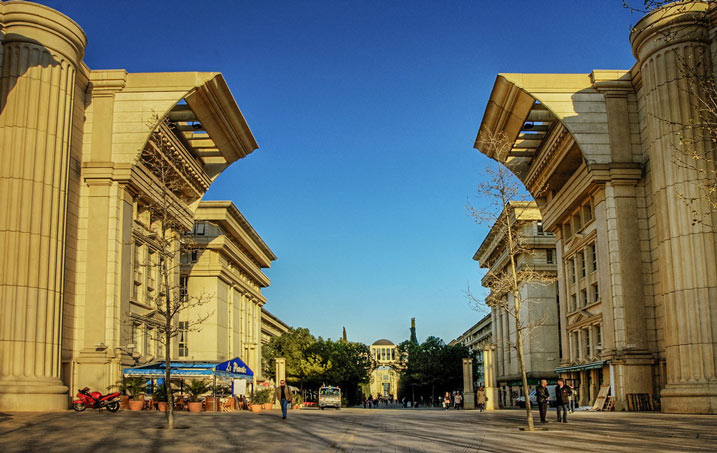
[33,24]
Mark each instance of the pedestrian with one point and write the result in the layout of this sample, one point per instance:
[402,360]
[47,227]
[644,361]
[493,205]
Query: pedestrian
[574,399]
[542,395]
[283,394]
[481,398]
[457,400]
[446,401]
[562,398]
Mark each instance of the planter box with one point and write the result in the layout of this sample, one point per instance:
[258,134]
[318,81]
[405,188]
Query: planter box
[268,406]
[136,405]
[194,406]
[255,407]
[163,406]
[124,402]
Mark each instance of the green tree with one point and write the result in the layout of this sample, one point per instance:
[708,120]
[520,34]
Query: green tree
[294,345]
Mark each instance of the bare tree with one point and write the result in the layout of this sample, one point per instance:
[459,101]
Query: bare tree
[168,218]
[502,209]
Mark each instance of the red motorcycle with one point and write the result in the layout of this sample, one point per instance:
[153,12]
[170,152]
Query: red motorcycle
[96,400]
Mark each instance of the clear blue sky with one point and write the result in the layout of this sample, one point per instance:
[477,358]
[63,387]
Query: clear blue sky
[365,113]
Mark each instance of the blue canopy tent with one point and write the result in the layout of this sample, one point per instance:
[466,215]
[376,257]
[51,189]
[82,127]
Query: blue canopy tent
[230,369]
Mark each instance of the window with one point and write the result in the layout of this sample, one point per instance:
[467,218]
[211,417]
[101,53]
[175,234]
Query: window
[571,270]
[587,212]
[158,344]
[540,228]
[183,331]
[151,270]
[598,335]
[587,343]
[593,257]
[581,258]
[200,228]
[577,224]
[183,295]
[549,256]
[596,292]
[573,303]
[147,347]
[195,255]
[567,232]
[583,298]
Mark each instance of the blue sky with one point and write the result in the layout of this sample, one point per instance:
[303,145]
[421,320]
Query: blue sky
[365,113]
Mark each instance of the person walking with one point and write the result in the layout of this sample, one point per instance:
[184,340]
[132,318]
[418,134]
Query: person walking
[446,401]
[542,395]
[481,398]
[562,398]
[283,394]
[457,400]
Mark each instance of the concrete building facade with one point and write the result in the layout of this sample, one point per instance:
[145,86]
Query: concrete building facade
[77,237]
[476,338]
[636,246]
[223,277]
[539,312]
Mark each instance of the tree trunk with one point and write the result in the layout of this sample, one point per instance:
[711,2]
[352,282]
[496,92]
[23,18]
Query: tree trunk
[167,343]
[521,361]
[518,327]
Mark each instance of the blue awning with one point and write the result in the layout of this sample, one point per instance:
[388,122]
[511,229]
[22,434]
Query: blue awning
[230,369]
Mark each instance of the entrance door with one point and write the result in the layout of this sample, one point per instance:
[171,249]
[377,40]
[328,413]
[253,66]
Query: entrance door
[386,388]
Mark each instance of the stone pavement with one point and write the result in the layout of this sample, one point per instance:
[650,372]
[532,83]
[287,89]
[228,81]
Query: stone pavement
[352,430]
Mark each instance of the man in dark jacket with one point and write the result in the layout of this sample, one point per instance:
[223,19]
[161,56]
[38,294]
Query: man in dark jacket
[283,394]
[562,398]
[542,395]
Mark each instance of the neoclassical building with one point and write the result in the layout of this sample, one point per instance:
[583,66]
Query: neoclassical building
[385,376]
[602,154]
[78,237]
[476,338]
[539,312]
[223,277]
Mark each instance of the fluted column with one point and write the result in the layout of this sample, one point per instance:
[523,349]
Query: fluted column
[672,46]
[41,52]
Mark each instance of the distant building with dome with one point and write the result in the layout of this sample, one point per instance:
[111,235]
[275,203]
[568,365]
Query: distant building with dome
[384,378]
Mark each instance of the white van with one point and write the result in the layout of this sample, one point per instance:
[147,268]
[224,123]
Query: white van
[520,401]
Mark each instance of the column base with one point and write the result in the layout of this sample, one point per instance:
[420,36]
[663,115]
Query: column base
[33,396]
[698,398]
[469,400]
[492,394]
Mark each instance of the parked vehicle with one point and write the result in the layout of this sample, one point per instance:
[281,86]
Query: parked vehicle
[520,401]
[86,399]
[329,397]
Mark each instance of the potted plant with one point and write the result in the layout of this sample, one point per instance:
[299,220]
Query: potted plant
[160,395]
[124,397]
[136,386]
[260,398]
[195,389]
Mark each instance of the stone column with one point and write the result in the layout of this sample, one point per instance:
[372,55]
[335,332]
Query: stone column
[490,386]
[280,371]
[42,50]
[672,48]
[468,393]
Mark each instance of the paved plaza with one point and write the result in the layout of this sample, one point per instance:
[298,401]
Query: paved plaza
[352,430]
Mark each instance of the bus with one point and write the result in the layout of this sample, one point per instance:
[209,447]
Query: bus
[329,397]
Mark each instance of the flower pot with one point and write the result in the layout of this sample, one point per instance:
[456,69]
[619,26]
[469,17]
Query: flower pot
[255,407]
[136,405]
[268,406]
[195,406]
[162,406]
[124,402]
